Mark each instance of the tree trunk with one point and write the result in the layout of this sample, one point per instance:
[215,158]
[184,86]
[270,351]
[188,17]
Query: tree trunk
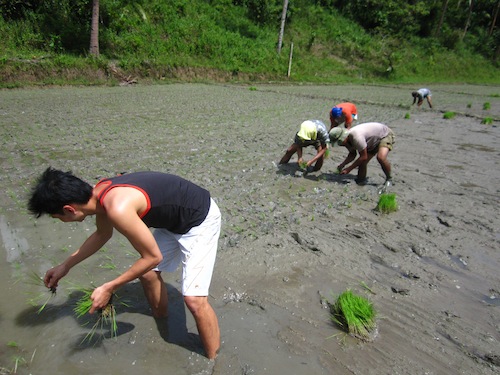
[282,28]
[443,13]
[94,29]
[494,21]
[467,24]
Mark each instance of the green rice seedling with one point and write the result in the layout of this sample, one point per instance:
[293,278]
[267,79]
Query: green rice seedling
[84,303]
[449,115]
[105,318]
[387,203]
[469,105]
[303,165]
[487,121]
[355,314]
[107,263]
[18,360]
[40,299]
[407,116]
[363,284]
[486,106]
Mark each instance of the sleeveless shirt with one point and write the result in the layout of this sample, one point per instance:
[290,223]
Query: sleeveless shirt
[173,203]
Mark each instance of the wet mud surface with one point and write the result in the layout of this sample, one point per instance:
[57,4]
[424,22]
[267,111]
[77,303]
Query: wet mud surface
[287,240]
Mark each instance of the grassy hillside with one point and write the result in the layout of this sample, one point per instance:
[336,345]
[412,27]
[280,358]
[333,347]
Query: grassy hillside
[201,40]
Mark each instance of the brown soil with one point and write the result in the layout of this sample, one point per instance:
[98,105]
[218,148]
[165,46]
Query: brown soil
[287,241]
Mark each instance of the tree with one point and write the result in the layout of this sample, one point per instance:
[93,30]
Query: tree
[441,19]
[282,28]
[467,23]
[494,20]
[94,29]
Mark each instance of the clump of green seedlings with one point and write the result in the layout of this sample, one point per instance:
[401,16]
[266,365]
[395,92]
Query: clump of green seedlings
[487,121]
[449,115]
[469,105]
[41,299]
[486,106]
[387,203]
[303,165]
[105,316]
[355,314]
[407,116]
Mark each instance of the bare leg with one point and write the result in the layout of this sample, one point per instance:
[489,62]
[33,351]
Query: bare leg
[429,101]
[156,293]
[363,168]
[206,322]
[384,163]
[288,154]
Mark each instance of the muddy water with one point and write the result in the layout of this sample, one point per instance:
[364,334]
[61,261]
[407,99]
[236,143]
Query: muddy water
[285,238]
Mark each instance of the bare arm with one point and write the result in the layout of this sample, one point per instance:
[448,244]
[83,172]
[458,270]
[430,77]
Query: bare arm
[92,244]
[122,211]
[320,154]
[363,156]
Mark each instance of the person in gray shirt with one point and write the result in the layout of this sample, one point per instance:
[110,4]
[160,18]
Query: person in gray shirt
[420,95]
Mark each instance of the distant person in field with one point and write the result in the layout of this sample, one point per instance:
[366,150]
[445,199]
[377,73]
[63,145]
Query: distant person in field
[186,222]
[343,113]
[367,140]
[311,133]
[420,95]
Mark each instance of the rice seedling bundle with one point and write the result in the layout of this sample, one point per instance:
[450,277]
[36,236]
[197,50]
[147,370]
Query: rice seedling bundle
[355,314]
[387,203]
[105,317]
[37,280]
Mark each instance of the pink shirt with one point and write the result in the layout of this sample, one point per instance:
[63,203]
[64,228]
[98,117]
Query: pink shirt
[367,135]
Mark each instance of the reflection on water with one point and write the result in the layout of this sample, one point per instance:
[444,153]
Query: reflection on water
[13,242]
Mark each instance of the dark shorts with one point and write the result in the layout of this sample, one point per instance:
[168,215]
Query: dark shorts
[300,142]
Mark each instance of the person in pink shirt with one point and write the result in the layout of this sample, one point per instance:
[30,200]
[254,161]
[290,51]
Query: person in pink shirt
[343,113]
[367,140]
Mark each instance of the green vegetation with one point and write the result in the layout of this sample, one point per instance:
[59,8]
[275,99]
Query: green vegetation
[449,115]
[17,358]
[237,40]
[387,203]
[106,316]
[355,314]
[40,300]
[487,121]
[487,106]
[407,116]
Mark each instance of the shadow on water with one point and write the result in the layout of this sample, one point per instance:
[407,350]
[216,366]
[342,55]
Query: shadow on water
[129,299]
